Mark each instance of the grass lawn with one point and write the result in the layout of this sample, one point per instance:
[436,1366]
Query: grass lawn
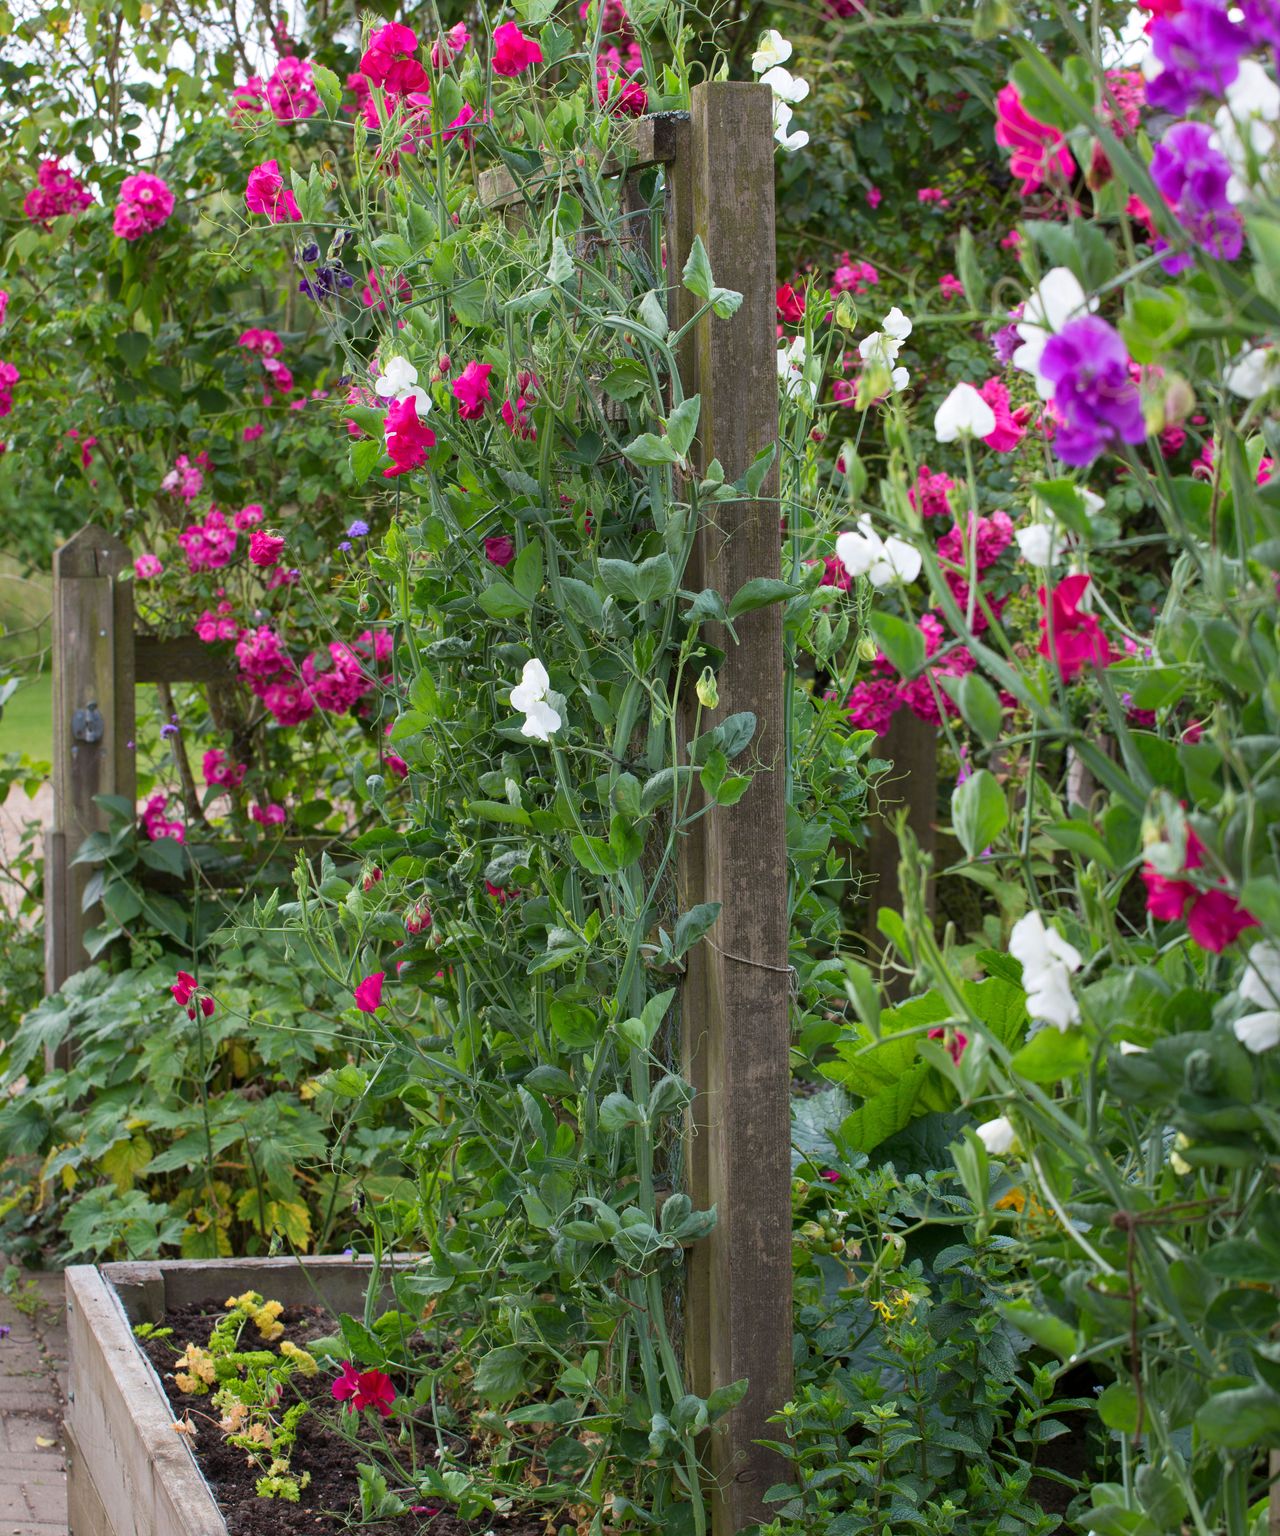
[26,724]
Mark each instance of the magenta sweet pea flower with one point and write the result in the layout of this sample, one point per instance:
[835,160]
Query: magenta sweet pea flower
[389,60]
[145,204]
[364,1389]
[1072,637]
[407,438]
[1192,176]
[266,193]
[368,993]
[513,52]
[1039,151]
[471,389]
[1199,49]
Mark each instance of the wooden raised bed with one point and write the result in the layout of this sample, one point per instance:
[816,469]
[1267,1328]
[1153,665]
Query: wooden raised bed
[128,1473]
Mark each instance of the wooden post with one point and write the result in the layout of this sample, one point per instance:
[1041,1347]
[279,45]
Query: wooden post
[735,997]
[912,783]
[93,729]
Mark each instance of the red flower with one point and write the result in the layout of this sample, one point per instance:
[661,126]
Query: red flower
[388,60]
[265,193]
[513,52]
[1037,147]
[364,1389]
[1074,639]
[790,305]
[955,1045]
[499,549]
[368,994]
[184,988]
[1214,919]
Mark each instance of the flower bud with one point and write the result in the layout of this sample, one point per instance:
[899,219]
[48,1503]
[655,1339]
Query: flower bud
[707,689]
[867,649]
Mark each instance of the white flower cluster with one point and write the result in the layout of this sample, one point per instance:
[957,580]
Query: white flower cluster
[1048,962]
[398,380]
[881,348]
[532,697]
[788,89]
[881,561]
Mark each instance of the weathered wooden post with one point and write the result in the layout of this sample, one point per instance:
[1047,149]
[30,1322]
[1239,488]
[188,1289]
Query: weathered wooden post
[912,744]
[735,997]
[93,729]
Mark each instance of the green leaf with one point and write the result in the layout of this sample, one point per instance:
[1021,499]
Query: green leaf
[978,703]
[682,424]
[698,280]
[500,1375]
[653,311]
[693,924]
[500,600]
[648,449]
[1051,1055]
[759,592]
[1241,1418]
[560,268]
[364,454]
[526,572]
[617,1112]
[1048,1331]
[133,347]
[328,87]
[901,642]
[979,812]
[886,1113]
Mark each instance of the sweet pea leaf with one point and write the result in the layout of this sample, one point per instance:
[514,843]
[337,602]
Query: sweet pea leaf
[979,811]
[901,642]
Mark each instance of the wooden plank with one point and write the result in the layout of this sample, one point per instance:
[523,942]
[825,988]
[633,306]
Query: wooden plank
[144,1475]
[86,1513]
[646,141]
[182,660]
[331,1280]
[93,675]
[735,997]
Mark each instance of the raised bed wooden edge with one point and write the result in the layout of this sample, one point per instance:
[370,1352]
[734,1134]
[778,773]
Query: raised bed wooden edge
[128,1472]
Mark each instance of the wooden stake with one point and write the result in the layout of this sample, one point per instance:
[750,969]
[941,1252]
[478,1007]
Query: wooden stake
[735,998]
[93,729]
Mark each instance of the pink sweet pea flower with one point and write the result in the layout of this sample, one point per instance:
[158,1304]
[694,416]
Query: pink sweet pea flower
[513,52]
[1009,430]
[1214,917]
[407,438]
[471,388]
[389,60]
[1038,149]
[950,286]
[499,549]
[368,994]
[184,988]
[266,193]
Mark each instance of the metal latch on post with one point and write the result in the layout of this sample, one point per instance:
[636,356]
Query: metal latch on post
[87,724]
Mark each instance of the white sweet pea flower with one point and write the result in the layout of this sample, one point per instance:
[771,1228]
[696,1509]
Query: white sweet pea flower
[791,361]
[782,115]
[964,413]
[881,561]
[998,1136]
[1243,126]
[1128,1048]
[1260,983]
[1253,373]
[1039,544]
[896,325]
[899,378]
[1258,1032]
[1047,965]
[773,49]
[1058,299]
[784,85]
[530,697]
[398,380]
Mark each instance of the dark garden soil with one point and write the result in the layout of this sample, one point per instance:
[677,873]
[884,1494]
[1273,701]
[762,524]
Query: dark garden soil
[328,1501]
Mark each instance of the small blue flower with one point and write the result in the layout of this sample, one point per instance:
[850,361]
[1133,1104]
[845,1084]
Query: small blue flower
[358,529]
[346,546]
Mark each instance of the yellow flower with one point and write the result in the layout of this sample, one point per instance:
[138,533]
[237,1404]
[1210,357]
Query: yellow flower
[306,1363]
[264,1318]
[195,1370]
[894,1305]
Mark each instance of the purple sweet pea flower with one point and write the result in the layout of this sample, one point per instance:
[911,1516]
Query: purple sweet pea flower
[1099,405]
[1005,343]
[1200,50]
[1262,18]
[1192,176]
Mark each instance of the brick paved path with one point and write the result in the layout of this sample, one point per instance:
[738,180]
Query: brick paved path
[33,1384]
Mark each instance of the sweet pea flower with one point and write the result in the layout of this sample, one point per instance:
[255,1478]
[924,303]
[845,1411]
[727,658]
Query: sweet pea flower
[1039,544]
[772,50]
[1057,300]
[513,52]
[964,413]
[265,192]
[389,60]
[184,988]
[1094,395]
[1070,634]
[530,696]
[398,381]
[368,993]
[881,561]
[407,439]
[782,115]
[1253,372]
[784,85]
[1260,983]
[1038,149]
[791,362]
[499,549]
[1195,52]
[471,389]
[1048,963]
[997,1136]
[364,1389]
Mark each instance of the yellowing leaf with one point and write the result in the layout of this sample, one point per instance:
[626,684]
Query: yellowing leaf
[124,1161]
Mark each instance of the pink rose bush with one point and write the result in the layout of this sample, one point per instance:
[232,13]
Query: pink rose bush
[145,204]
